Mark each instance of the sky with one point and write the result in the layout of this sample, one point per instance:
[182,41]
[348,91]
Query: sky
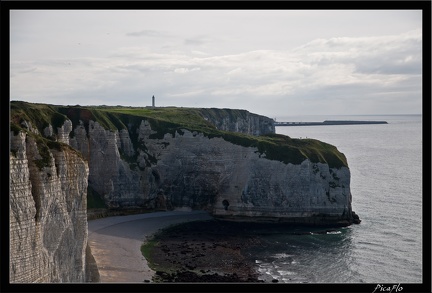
[275,63]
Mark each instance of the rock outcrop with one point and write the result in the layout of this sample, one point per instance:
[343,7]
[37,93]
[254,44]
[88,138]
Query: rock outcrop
[48,212]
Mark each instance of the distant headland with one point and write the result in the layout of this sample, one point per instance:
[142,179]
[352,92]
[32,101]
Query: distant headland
[328,122]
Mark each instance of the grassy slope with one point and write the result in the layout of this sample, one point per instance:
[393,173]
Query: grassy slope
[40,115]
[172,119]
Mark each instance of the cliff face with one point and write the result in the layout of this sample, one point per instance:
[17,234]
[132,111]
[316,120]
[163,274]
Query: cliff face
[48,212]
[167,163]
[239,121]
[159,159]
[237,182]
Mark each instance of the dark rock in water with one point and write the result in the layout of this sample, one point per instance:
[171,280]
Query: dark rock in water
[301,233]
[356,218]
[275,281]
[320,232]
[187,276]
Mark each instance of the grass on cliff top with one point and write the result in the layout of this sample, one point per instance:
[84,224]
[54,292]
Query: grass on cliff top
[186,117]
[40,115]
[173,119]
[289,150]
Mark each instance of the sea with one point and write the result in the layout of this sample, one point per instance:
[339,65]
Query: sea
[386,185]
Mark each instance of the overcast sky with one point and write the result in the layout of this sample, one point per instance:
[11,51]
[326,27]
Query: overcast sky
[271,62]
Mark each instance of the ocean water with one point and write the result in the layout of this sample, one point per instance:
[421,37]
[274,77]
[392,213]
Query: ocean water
[386,185]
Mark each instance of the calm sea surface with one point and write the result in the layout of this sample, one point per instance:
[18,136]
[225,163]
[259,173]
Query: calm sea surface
[386,184]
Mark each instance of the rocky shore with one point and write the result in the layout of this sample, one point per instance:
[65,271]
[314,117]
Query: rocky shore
[203,251]
[215,251]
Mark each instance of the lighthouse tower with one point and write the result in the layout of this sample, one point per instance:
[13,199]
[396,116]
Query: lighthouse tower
[153,101]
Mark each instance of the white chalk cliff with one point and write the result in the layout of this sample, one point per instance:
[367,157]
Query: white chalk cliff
[48,213]
[139,165]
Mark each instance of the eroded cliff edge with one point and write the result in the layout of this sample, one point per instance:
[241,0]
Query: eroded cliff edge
[48,212]
[228,162]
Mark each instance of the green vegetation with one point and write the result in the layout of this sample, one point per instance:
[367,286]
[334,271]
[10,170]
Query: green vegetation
[147,249]
[43,152]
[15,128]
[41,116]
[44,146]
[171,120]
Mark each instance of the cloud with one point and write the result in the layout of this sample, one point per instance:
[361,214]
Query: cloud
[195,42]
[186,70]
[146,33]
[394,54]
[334,74]
[198,41]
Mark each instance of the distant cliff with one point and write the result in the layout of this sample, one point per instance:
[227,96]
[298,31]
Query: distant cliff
[228,162]
[238,121]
